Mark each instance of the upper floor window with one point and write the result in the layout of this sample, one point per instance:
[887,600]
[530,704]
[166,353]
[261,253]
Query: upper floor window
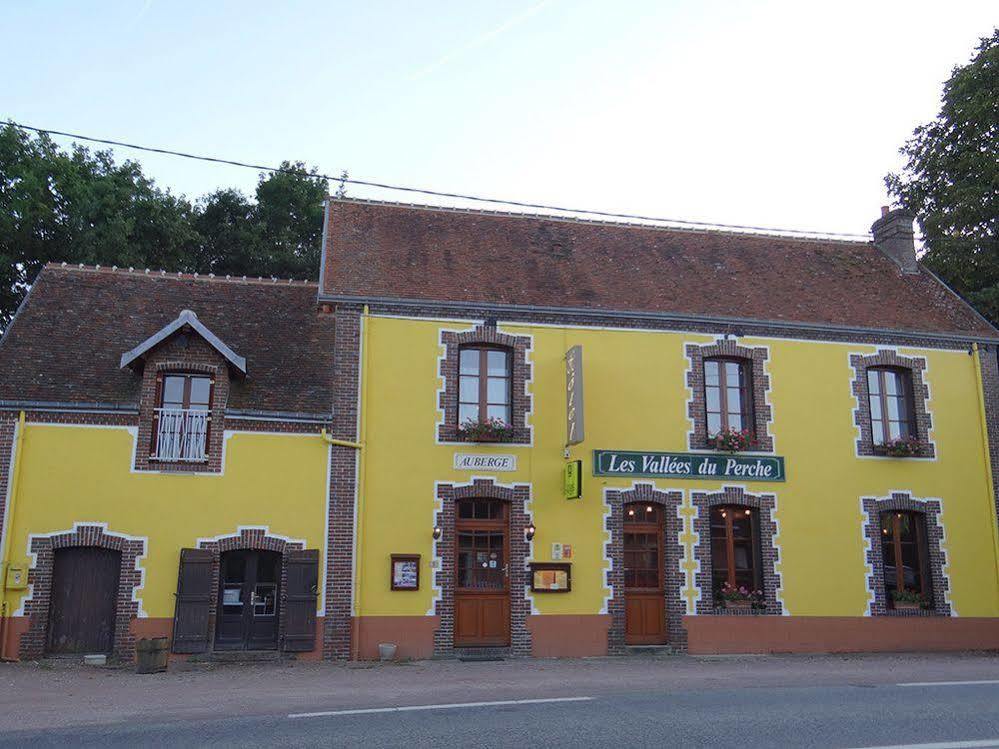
[891,399]
[736,567]
[182,418]
[906,560]
[484,385]
[728,395]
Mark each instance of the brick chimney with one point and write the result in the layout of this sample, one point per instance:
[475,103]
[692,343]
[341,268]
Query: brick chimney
[894,236]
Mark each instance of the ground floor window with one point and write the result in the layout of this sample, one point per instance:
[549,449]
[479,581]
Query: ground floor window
[736,569]
[906,560]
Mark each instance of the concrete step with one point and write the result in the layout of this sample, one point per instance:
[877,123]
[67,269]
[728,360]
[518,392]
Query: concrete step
[238,656]
[653,650]
[472,655]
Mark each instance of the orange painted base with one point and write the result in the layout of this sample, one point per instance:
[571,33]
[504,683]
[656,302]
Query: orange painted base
[837,634]
[140,628]
[413,635]
[568,635]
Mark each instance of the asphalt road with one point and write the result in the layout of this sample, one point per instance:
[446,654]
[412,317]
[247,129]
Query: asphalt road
[938,716]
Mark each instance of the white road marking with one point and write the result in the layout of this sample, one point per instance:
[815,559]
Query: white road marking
[449,706]
[943,745]
[946,683]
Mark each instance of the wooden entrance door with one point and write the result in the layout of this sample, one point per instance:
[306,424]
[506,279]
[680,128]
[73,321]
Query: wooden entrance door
[84,600]
[482,590]
[644,591]
[249,597]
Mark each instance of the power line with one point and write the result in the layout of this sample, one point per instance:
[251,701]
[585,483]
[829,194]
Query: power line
[439,193]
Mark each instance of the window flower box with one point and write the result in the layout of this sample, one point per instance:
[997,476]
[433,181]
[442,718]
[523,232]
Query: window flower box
[739,598]
[908,600]
[488,430]
[733,440]
[900,447]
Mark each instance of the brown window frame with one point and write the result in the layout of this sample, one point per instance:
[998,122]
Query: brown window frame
[728,512]
[894,542]
[185,403]
[473,525]
[747,410]
[906,398]
[483,378]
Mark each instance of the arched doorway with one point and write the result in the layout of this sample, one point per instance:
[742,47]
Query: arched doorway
[249,600]
[644,568]
[482,574]
[84,598]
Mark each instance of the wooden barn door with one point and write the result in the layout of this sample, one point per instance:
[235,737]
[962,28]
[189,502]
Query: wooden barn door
[84,600]
[482,590]
[644,593]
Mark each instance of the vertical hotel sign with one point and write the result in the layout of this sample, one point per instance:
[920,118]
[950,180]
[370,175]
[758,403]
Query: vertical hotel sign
[574,395]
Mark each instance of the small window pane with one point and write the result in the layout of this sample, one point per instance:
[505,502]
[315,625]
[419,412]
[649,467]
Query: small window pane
[200,389]
[498,390]
[713,396]
[469,361]
[468,391]
[714,424]
[893,409]
[894,430]
[735,422]
[732,373]
[499,412]
[497,363]
[873,384]
[892,383]
[711,372]
[878,432]
[734,401]
[467,412]
[173,392]
[876,408]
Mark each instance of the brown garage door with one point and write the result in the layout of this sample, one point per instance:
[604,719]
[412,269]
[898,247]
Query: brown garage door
[84,596]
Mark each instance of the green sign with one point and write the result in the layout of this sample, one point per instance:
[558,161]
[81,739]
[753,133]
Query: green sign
[688,465]
[573,479]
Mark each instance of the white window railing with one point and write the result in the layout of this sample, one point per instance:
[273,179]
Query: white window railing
[181,434]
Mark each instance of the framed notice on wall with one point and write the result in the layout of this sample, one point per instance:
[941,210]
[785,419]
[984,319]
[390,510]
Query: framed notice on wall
[551,577]
[405,572]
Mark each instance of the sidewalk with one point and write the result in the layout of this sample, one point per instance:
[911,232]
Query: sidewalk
[57,693]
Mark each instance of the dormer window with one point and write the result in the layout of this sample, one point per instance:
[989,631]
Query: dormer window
[182,418]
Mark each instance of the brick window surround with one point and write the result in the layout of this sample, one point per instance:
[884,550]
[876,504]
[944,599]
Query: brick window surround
[518,498]
[616,500]
[520,399]
[36,608]
[915,366]
[183,354]
[930,509]
[766,506]
[756,358]
[252,539]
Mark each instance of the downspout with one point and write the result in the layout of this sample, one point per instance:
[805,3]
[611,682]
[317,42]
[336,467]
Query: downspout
[361,474]
[983,424]
[9,522]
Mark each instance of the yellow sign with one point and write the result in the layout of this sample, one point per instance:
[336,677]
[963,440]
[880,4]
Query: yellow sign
[573,479]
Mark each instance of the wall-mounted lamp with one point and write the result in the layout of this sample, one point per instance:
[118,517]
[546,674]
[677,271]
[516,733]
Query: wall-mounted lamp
[529,532]
[438,532]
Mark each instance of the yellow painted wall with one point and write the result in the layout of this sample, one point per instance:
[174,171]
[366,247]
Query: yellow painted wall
[81,474]
[636,398]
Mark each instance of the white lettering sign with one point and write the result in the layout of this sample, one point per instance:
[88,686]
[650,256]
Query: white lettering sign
[468,462]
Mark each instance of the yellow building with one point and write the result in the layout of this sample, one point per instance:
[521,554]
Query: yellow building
[487,433]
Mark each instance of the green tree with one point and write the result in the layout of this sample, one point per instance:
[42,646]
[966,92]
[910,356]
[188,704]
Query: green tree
[951,181]
[82,207]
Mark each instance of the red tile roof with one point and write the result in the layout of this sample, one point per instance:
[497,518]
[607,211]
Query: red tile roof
[65,344]
[402,251]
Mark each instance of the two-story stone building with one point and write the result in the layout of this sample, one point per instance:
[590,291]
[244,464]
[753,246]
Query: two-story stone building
[496,432]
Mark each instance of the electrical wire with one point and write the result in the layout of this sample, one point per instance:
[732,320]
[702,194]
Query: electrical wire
[442,194]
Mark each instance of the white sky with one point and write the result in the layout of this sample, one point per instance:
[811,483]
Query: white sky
[777,113]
